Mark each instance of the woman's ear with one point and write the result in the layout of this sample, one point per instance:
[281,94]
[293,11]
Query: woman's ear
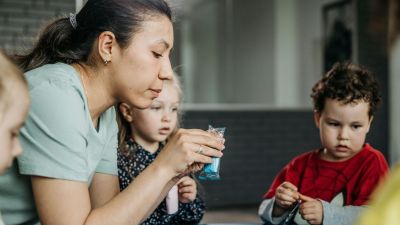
[106,43]
[317,117]
[126,111]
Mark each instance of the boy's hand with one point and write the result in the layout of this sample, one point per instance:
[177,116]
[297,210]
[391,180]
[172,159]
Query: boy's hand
[311,210]
[286,195]
[187,190]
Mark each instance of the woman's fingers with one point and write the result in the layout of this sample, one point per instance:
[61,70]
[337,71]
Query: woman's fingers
[202,138]
[187,150]
[205,150]
[194,168]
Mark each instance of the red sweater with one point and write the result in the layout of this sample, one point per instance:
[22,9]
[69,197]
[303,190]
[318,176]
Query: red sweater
[356,177]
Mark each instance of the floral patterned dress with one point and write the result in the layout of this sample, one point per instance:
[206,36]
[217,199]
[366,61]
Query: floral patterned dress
[130,165]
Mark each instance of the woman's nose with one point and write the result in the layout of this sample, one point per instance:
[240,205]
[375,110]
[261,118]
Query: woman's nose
[166,72]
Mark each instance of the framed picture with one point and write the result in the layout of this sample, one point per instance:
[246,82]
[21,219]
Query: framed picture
[339,32]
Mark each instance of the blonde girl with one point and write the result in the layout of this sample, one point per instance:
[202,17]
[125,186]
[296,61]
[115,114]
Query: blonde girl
[143,133]
[14,103]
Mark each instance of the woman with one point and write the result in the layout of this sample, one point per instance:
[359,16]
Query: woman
[111,51]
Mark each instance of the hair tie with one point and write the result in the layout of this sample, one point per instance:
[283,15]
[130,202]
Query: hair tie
[72,20]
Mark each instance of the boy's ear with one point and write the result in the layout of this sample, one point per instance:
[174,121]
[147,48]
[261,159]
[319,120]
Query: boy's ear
[317,116]
[126,111]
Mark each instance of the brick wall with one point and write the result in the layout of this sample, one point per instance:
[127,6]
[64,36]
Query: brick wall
[21,20]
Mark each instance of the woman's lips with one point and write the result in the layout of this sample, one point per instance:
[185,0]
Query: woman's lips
[155,92]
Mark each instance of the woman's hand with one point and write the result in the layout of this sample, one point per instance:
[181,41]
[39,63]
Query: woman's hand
[187,189]
[187,151]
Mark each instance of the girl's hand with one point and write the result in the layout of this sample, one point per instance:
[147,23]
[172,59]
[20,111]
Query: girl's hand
[187,190]
[181,153]
[311,210]
[286,195]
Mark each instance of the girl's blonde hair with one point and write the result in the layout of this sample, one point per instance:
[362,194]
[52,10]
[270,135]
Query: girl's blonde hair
[9,73]
[124,132]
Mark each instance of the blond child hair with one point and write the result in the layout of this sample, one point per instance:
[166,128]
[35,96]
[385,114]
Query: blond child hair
[9,74]
[125,128]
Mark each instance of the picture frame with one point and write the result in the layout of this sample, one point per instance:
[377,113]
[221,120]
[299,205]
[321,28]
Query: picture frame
[339,36]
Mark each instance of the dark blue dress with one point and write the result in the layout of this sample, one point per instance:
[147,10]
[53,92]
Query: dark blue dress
[133,163]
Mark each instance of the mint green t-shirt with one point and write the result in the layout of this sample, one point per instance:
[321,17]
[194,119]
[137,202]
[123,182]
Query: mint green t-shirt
[58,139]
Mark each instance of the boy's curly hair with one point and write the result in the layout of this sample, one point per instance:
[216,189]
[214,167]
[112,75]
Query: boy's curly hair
[347,83]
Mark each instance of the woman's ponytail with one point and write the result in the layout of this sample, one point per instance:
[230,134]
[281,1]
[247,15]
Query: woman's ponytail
[54,45]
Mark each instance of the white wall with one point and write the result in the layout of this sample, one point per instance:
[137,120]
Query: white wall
[265,52]
[394,95]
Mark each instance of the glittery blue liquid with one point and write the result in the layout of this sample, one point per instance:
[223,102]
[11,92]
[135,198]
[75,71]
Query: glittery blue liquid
[211,171]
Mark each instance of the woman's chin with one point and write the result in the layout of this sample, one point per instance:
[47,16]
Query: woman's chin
[143,104]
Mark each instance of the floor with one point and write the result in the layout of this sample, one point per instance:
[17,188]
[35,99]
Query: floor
[232,215]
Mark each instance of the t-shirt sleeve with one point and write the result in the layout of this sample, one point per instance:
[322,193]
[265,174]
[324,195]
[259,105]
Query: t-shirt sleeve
[108,162]
[54,136]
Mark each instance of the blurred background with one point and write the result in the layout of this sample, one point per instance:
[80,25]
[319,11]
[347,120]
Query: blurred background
[249,65]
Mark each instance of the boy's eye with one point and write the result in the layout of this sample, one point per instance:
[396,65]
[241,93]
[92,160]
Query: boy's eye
[356,126]
[333,124]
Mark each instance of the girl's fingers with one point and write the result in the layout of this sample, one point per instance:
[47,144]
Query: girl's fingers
[186,181]
[183,180]
[187,189]
[189,196]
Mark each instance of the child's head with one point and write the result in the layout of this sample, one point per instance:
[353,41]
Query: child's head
[154,124]
[14,101]
[345,101]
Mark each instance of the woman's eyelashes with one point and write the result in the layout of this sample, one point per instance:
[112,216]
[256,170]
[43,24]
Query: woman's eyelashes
[157,55]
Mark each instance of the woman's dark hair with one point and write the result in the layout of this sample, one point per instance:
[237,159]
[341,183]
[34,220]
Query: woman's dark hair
[347,83]
[61,42]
